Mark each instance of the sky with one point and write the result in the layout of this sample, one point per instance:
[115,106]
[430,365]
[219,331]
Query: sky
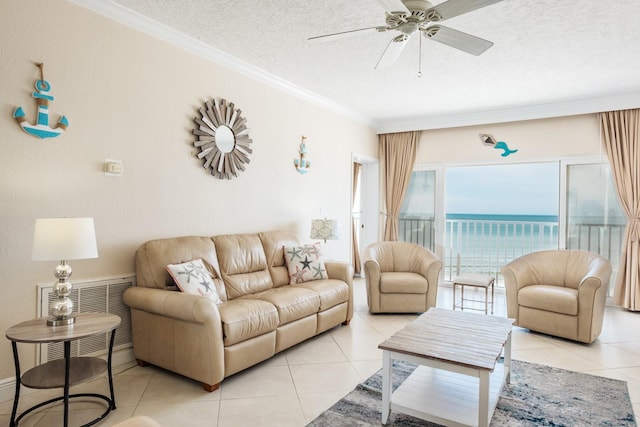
[520,189]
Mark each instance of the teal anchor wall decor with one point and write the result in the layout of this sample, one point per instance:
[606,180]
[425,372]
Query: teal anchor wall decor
[301,163]
[41,129]
[498,145]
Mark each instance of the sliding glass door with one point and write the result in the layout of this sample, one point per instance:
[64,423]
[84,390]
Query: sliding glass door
[477,218]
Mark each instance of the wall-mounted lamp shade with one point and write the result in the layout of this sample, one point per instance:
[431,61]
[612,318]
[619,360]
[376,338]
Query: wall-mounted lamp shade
[324,229]
[56,239]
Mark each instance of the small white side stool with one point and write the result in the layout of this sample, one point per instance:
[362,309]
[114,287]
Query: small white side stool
[478,281]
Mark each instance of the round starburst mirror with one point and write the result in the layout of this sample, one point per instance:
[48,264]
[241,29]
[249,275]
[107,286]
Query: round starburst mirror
[223,138]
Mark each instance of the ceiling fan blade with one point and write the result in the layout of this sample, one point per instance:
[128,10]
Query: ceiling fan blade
[343,34]
[392,51]
[457,39]
[394,6]
[452,8]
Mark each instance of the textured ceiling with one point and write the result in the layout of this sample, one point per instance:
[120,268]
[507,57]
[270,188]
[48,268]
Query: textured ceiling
[545,52]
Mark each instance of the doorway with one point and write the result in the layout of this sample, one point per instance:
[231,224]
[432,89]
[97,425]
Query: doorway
[366,203]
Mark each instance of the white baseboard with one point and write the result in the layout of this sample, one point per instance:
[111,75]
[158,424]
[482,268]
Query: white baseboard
[120,358]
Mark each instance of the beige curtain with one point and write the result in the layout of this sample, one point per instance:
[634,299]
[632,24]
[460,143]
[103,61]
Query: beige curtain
[354,226]
[621,138]
[397,156]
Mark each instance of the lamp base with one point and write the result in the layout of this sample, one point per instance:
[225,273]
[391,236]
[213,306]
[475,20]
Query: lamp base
[68,320]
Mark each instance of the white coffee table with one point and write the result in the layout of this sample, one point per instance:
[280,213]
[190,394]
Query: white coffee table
[458,381]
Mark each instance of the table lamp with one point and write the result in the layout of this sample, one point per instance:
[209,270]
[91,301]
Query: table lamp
[324,229]
[62,239]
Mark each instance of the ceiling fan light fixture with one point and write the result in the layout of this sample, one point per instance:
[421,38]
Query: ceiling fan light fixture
[409,28]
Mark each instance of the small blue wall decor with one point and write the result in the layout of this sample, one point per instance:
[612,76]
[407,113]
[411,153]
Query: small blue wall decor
[41,129]
[301,163]
[498,145]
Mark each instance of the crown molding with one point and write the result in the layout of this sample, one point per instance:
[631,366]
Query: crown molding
[517,113]
[133,19]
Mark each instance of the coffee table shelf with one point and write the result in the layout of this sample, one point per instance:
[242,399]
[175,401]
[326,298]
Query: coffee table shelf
[447,397]
[458,380]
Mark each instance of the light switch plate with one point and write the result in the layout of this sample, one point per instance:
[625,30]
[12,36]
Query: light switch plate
[113,167]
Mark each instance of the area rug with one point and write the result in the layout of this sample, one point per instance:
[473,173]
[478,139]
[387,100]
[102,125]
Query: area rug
[537,396]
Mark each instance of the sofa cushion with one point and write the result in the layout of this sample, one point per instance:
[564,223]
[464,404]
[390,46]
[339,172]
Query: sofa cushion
[305,263]
[153,257]
[273,243]
[243,264]
[292,302]
[331,292]
[403,283]
[558,299]
[246,318]
[192,277]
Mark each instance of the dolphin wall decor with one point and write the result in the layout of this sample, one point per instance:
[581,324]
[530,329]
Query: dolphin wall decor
[498,145]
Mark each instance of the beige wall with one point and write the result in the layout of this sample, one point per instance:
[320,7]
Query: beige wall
[536,140]
[130,97]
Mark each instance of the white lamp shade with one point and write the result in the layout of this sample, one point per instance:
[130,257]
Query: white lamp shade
[58,239]
[324,229]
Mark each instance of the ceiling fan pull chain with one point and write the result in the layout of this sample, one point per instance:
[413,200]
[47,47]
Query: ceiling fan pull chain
[420,58]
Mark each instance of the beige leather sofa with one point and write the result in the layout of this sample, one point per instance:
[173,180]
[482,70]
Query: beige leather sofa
[401,277]
[558,292]
[261,313]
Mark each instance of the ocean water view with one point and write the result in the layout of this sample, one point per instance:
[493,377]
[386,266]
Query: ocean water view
[501,217]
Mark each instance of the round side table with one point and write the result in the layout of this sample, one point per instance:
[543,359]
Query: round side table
[63,373]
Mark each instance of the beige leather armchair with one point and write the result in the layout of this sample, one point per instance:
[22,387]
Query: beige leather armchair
[558,292]
[401,277]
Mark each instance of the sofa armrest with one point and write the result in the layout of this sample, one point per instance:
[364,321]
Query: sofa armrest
[516,275]
[372,276]
[176,305]
[342,271]
[179,332]
[592,298]
[598,275]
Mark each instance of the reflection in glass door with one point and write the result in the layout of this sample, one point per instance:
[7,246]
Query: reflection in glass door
[594,219]
[418,214]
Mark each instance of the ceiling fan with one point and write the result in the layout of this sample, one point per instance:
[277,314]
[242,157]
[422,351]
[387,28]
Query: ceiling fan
[408,17]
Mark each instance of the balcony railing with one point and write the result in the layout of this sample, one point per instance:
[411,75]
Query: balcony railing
[484,246]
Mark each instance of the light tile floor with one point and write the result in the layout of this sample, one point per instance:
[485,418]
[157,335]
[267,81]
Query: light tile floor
[293,387]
